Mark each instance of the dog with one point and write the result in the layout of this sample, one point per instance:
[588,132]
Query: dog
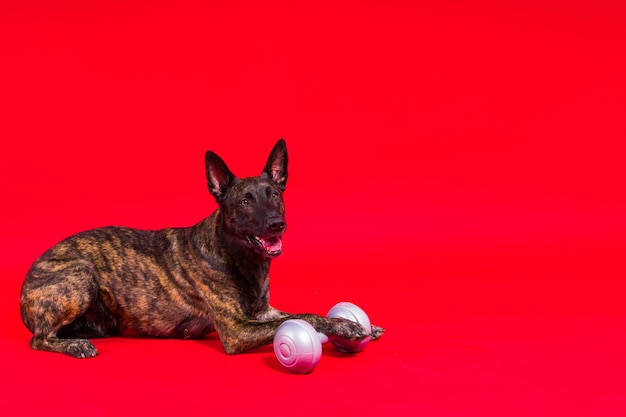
[174,283]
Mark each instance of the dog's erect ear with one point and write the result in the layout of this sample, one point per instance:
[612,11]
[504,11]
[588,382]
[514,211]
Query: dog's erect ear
[217,174]
[276,167]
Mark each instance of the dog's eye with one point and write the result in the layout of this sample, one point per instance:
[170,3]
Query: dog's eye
[274,195]
[244,202]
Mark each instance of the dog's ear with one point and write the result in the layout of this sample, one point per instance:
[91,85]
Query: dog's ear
[218,175]
[276,167]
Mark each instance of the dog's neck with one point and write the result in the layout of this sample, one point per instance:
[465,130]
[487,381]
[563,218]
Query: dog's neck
[238,256]
[248,270]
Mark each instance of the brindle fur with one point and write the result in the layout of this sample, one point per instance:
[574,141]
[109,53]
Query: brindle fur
[176,283]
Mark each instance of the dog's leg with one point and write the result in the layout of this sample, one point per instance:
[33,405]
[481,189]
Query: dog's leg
[78,348]
[273,314]
[53,297]
[238,336]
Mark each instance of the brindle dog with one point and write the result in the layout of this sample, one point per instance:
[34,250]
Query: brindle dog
[176,283]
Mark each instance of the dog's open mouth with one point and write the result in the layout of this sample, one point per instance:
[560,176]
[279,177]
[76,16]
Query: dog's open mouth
[273,246]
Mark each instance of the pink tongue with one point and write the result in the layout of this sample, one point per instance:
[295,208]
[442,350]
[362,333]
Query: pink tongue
[273,244]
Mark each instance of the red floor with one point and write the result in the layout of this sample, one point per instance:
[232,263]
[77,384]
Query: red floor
[460,342]
[456,169]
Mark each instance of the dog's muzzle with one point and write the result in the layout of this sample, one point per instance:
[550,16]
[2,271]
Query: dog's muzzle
[273,246]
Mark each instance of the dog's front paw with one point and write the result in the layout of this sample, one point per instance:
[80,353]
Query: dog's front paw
[347,329]
[377,332]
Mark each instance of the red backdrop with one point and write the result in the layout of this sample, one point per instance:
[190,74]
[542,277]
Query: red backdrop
[457,169]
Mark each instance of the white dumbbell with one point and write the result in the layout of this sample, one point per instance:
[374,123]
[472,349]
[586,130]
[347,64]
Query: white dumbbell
[298,346]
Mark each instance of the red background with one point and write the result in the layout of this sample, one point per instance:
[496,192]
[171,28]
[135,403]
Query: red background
[457,169]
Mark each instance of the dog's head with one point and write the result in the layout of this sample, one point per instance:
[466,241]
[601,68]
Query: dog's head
[252,208]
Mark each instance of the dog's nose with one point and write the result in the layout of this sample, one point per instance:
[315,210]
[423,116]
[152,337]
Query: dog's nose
[276,225]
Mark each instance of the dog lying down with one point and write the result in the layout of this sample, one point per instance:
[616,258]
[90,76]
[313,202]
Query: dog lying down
[177,283]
